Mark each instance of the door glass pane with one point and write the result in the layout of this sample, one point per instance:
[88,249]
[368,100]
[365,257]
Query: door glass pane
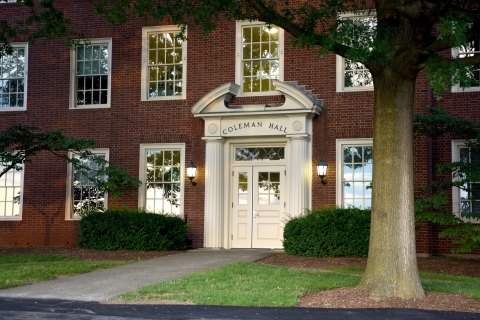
[263,199]
[242,188]
[242,199]
[275,176]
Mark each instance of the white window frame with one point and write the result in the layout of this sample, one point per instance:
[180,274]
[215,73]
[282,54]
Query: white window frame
[69,213]
[20,45]
[238,58]
[457,87]
[73,76]
[456,145]
[142,194]
[340,61]
[22,184]
[339,162]
[145,74]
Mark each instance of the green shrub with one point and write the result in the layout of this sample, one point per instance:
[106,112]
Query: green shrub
[132,230]
[329,232]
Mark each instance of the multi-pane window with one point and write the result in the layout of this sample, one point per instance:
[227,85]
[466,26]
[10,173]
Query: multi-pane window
[91,79]
[162,176]
[469,50]
[13,79]
[355,175]
[351,75]
[11,194]
[83,195]
[356,75]
[164,64]
[86,195]
[468,196]
[259,57]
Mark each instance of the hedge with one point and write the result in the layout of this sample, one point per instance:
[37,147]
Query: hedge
[132,230]
[329,232]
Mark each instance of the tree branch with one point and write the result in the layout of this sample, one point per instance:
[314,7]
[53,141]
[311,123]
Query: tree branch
[439,45]
[438,10]
[271,16]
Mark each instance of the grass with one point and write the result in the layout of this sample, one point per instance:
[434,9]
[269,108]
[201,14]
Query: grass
[20,269]
[467,286]
[250,284]
[245,284]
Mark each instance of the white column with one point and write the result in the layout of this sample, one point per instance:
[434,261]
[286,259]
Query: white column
[214,193]
[299,174]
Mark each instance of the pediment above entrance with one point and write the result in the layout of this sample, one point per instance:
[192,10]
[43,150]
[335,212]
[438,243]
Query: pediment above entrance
[293,117]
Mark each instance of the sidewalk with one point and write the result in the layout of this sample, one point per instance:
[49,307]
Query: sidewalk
[108,283]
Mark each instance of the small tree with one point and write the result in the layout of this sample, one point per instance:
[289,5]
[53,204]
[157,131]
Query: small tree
[20,143]
[460,174]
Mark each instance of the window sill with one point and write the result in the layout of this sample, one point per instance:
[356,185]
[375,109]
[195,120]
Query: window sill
[91,107]
[10,219]
[356,90]
[165,98]
[12,109]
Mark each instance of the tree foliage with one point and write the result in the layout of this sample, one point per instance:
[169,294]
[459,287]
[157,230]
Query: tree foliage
[460,175]
[20,143]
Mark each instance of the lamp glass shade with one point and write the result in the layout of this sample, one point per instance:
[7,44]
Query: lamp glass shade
[191,170]
[322,168]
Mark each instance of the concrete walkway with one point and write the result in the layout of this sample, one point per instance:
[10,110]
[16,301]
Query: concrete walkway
[108,283]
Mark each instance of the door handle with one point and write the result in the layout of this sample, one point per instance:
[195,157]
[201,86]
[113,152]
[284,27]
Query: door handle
[254,212]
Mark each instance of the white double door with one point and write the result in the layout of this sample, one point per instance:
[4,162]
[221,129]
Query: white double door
[258,206]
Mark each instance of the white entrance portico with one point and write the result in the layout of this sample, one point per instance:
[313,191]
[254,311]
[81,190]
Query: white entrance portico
[258,165]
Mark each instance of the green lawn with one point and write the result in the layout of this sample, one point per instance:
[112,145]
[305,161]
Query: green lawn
[251,284]
[21,269]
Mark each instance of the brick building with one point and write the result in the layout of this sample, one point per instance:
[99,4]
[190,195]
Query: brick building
[153,103]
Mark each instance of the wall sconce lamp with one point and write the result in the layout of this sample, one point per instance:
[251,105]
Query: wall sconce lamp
[191,172]
[322,170]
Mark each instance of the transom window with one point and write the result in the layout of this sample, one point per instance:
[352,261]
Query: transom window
[91,77]
[469,50]
[260,153]
[11,185]
[259,57]
[355,174]
[162,170]
[13,75]
[163,64]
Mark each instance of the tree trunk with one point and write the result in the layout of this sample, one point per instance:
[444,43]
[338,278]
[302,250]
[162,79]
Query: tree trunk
[392,262]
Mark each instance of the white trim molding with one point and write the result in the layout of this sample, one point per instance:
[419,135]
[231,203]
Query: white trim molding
[173,68]
[142,191]
[456,197]
[239,57]
[69,203]
[340,143]
[19,75]
[11,184]
[470,49]
[357,69]
[93,74]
